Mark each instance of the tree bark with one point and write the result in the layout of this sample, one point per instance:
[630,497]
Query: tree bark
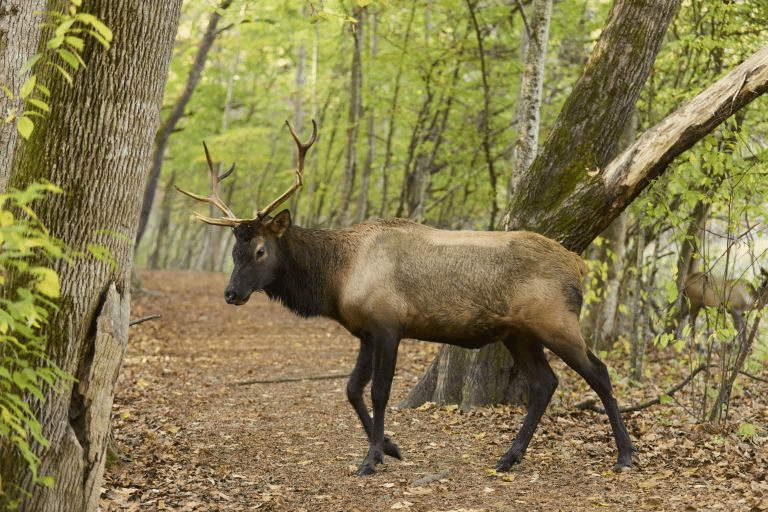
[95,145]
[19,36]
[536,35]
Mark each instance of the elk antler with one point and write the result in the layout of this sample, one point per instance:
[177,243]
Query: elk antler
[301,151]
[214,198]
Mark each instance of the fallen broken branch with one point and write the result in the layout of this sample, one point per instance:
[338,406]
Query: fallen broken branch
[281,380]
[590,404]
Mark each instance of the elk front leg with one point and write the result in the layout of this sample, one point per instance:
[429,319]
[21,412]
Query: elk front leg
[359,378]
[384,357]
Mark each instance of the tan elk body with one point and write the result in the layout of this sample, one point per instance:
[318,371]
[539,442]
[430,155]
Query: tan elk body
[735,296]
[391,279]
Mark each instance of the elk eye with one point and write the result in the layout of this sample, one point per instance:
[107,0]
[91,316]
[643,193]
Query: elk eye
[260,252]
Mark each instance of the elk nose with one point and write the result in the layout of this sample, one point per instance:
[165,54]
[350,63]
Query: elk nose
[230,296]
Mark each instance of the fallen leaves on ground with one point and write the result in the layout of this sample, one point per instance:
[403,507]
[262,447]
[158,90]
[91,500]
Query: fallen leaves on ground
[188,437]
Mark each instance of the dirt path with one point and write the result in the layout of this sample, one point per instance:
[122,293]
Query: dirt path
[190,437]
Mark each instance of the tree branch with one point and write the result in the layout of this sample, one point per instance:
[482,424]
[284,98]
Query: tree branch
[590,404]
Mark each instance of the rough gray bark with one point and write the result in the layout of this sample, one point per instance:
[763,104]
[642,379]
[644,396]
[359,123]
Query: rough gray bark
[19,37]
[95,145]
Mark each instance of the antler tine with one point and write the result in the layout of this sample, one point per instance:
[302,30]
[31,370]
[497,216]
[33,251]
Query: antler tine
[214,198]
[301,151]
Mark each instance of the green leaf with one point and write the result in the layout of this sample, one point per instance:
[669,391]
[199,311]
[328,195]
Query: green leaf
[28,87]
[747,431]
[70,58]
[104,42]
[25,126]
[7,91]
[55,42]
[49,282]
[43,89]
[103,30]
[39,104]
[64,73]
[31,62]
[75,42]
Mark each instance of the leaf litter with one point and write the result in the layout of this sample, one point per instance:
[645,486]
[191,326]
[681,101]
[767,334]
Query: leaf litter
[187,437]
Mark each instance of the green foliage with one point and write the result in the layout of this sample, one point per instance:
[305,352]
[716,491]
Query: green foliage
[30,289]
[63,51]
[422,96]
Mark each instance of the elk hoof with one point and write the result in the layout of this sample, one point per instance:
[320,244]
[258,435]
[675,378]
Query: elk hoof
[365,470]
[391,449]
[368,466]
[506,462]
[624,463]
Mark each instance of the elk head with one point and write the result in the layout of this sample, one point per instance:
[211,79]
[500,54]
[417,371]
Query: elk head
[256,254]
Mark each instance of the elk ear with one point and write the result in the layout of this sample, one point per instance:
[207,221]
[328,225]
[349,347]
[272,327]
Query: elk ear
[280,223]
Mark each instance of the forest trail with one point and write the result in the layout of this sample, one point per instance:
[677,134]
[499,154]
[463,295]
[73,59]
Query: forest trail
[194,431]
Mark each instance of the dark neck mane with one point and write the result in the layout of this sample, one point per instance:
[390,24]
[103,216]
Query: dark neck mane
[311,263]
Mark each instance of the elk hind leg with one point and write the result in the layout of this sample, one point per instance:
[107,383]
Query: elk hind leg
[575,354]
[542,382]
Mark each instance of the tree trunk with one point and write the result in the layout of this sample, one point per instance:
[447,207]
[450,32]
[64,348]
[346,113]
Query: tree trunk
[362,200]
[488,375]
[177,112]
[163,224]
[353,117]
[536,35]
[95,144]
[19,35]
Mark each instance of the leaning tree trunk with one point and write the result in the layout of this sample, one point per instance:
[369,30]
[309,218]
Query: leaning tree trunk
[616,72]
[95,144]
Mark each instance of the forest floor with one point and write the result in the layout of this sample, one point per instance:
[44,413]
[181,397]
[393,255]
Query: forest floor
[226,408]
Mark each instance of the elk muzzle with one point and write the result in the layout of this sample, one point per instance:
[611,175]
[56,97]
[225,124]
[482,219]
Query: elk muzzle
[233,297]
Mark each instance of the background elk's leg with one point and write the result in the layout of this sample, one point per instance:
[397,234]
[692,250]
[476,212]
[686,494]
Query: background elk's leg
[529,356]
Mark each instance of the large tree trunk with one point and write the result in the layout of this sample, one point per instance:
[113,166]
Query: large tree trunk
[95,144]
[585,129]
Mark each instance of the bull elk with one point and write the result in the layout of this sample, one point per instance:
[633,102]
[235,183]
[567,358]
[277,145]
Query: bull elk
[385,280]
[736,296]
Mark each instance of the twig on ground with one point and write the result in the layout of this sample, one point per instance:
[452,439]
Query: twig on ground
[281,380]
[144,319]
[590,404]
[755,377]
